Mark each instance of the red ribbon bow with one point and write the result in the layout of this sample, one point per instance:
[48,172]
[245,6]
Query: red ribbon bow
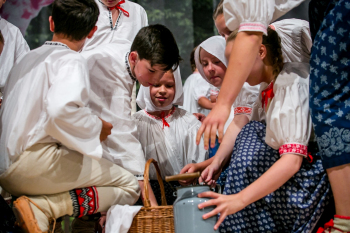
[267,95]
[162,115]
[118,7]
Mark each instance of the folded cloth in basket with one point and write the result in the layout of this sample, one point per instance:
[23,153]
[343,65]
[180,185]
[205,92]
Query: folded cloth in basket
[119,218]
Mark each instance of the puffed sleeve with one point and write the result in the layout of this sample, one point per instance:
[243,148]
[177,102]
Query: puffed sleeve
[201,89]
[245,99]
[255,15]
[288,122]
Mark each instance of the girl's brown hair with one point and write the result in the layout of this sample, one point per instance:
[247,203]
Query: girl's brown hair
[2,38]
[272,43]
[218,10]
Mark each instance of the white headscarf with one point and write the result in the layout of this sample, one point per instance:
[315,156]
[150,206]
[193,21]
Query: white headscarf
[295,39]
[214,45]
[144,100]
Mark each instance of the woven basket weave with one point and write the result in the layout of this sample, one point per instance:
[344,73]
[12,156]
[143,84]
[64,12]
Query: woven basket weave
[153,219]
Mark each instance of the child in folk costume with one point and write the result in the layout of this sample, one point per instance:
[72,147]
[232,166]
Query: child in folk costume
[196,92]
[50,140]
[119,19]
[13,51]
[114,68]
[270,187]
[167,133]
[211,63]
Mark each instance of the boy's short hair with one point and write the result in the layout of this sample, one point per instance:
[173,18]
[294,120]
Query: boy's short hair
[2,40]
[74,18]
[218,10]
[157,44]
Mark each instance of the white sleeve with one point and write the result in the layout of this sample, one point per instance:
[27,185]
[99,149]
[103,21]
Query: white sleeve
[70,121]
[288,119]
[21,46]
[255,15]
[201,89]
[245,99]
[144,18]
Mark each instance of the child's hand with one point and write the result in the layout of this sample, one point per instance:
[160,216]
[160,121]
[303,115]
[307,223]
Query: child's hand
[225,205]
[211,173]
[189,168]
[106,130]
[199,116]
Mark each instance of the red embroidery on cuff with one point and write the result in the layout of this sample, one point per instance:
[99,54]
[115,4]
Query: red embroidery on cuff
[293,148]
[243,110]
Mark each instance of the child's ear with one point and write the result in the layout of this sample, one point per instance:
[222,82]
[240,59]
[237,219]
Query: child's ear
[262,51]
[91,33]
[52,24]
[133,57]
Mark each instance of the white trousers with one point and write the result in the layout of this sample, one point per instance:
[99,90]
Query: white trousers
[46,169]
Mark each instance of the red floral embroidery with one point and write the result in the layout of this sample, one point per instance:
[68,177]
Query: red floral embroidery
[294,148]
[267,96]
[243,110]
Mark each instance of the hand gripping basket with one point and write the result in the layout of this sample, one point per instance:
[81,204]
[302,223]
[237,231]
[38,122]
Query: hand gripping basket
[153,219]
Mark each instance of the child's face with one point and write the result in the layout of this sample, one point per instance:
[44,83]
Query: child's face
[163,92]
[144,72]
[109,3]
[221,26]
[213,68]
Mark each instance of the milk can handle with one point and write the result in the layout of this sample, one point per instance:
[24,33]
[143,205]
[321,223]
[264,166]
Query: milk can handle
[147,202]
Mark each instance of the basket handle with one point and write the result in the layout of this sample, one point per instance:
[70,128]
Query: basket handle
[147,202]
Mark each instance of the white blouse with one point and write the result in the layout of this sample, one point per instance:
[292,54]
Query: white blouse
[45,101]
[15,48]
[174,146]
[194,88]
[126,27]
[245,99]
[111,88]
[286,110]
[255,15]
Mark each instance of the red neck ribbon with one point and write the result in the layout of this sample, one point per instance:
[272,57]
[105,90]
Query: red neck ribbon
[267,95]
[118,7]
[162,115]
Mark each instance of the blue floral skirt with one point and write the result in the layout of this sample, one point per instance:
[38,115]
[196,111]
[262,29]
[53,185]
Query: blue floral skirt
[294,207]
[330,81]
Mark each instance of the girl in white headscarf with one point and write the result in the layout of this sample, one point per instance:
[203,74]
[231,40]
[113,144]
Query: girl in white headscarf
[167,133]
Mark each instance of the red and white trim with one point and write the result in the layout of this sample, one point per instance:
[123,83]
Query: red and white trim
[294,149]
[243,110]
[257,27]
[159,118]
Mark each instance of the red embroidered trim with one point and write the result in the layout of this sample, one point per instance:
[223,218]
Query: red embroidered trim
[253,26]
[243,110]
[85,201]
[293,148]
[342,217]
[159,118]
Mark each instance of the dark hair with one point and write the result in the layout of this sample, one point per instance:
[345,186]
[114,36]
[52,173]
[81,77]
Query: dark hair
[2,38]
[193,62]
[218,10]
[157,44]
[74,18]
[272,43]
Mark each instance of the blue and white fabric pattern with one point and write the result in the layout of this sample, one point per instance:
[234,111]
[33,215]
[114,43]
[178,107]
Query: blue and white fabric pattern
[330,85]
[294,207]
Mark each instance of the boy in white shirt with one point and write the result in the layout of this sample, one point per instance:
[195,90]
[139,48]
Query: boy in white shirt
[114,68]
[50,140]
[12,51]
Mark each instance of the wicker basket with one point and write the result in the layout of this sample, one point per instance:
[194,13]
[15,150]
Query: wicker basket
[153,219]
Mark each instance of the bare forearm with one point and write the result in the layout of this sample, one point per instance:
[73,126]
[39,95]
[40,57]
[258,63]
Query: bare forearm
[150,194]
[278,174]
[243,55]
[205,103]
[224,152]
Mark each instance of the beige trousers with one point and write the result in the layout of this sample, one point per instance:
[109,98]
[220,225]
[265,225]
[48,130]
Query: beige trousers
[46,169]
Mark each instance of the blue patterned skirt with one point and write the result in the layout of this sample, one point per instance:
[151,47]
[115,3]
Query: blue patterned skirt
[294,207]
[330,81]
